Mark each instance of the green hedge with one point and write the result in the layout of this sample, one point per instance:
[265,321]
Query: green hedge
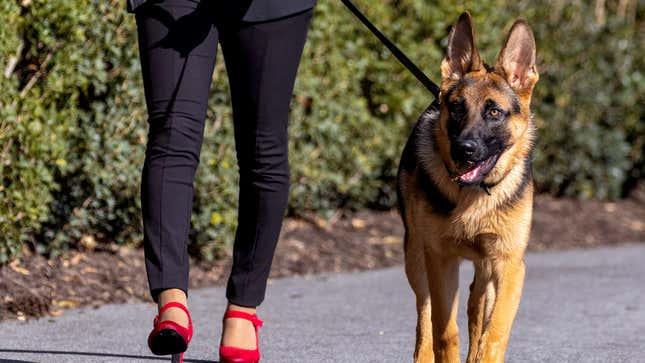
[73,121]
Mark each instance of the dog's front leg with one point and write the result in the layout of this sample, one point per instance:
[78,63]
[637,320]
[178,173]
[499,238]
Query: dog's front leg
[476,305]
[415,270]
[443,281]
[507,280]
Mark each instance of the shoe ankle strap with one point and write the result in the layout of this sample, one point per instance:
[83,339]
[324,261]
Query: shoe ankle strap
[175,304]
[253,318]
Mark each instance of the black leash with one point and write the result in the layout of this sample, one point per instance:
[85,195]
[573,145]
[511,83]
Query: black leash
[407,63]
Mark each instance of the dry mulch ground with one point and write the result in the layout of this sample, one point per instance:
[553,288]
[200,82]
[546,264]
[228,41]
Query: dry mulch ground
[349,241]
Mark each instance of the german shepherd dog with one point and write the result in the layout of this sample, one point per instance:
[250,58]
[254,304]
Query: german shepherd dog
[465,190]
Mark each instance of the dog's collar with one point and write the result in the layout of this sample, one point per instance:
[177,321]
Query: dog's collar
[486,187]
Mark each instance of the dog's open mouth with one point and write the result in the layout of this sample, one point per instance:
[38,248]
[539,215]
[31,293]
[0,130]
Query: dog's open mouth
[477,171]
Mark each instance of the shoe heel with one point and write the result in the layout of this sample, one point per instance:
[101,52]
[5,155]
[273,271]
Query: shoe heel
[168,337]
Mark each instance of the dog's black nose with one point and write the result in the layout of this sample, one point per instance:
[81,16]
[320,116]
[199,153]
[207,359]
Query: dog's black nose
[467,147]
[465,150]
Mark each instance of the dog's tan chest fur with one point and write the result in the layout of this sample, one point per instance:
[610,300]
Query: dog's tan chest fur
[475,229]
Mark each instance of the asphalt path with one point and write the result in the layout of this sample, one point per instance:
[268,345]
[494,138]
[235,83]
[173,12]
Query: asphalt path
[577,306]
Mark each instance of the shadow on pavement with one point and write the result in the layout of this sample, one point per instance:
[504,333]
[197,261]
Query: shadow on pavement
[60,352]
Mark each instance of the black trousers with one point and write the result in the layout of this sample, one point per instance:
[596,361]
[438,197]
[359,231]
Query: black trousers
[178,44]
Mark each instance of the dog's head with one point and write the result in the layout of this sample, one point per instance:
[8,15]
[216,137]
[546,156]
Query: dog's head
[485,126]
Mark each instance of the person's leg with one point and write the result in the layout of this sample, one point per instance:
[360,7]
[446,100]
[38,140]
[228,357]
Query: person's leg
[178,44]
[262,61]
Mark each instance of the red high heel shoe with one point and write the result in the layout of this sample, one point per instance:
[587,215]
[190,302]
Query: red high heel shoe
[237,355]
[168,337]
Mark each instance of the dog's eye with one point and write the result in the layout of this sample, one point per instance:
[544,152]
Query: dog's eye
[495,113]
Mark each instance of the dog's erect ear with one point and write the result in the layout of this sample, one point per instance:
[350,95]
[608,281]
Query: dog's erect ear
[462,56]
[516,60]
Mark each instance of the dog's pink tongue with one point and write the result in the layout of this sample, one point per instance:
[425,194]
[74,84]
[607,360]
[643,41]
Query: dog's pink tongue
[471,175]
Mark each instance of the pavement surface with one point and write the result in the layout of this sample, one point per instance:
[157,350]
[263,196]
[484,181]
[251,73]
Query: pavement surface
[577,306]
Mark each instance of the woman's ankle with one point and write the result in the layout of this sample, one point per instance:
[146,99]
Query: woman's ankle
[176,315]
[237,332]
[171,295]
